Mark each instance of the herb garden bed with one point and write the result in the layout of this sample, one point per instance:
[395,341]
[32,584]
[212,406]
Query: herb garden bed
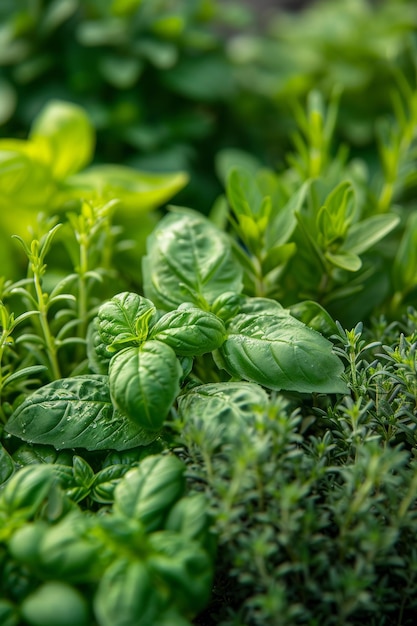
[208,408]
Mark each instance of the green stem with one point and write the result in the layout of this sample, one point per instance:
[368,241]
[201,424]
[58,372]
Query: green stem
[49,339]
[82,288]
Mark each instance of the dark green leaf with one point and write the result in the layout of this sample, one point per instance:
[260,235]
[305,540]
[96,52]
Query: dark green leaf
[190,331]
[75,412]
[222,411]
[144,382]
[127,596]
[26,490]
[146,493]
[280,352]
[124,319]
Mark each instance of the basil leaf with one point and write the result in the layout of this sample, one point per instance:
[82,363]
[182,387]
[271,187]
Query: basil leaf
[138,191]
[6,465]
[146,493]
[187,254]
[97,353]
[280,352]
[67,136]
[184,566]
[27,489]
[127,595]
[119,319]
[75,412]
[144,382]
[222,411]
[190,331]
[55,602]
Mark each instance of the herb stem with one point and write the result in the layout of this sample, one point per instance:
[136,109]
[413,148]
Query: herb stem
[49,339]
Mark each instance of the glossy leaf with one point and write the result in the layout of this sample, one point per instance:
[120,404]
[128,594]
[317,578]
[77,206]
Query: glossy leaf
[76,412]
[314,315]
[144,382]
[222,411]
[67,136]
[280,352]
[188,259]
[190,331]
[146,493]
[124,319]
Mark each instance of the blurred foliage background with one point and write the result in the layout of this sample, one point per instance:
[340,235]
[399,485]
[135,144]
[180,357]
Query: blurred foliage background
[167,83]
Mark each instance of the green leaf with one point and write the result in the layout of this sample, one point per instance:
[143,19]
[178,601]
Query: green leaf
[190,331]
[127,596]
[280,352]
[188,259]
[185,567]
[67,136]
[144,382]
[232,158]
[76,412]
[55,603]
[277,256]
[6,465]
[222,411]
[26,490]
[363,235]
[68,552]
[283,218]
[9,613]
[243,193]
[146,493]
[124,319]
[138,191]
[314,315]
[405,262]
[345,260]
[25,181]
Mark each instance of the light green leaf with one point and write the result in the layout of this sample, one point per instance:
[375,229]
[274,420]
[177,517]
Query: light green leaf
[144,382]
[345,260]
[283,218]
[188,259]
[243,193]
[76,412]
[52,603]
[280,352]
[363,235]
[190,331]
[146,493]
[66,134]
[138,191]
[25,181]
[119,319]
